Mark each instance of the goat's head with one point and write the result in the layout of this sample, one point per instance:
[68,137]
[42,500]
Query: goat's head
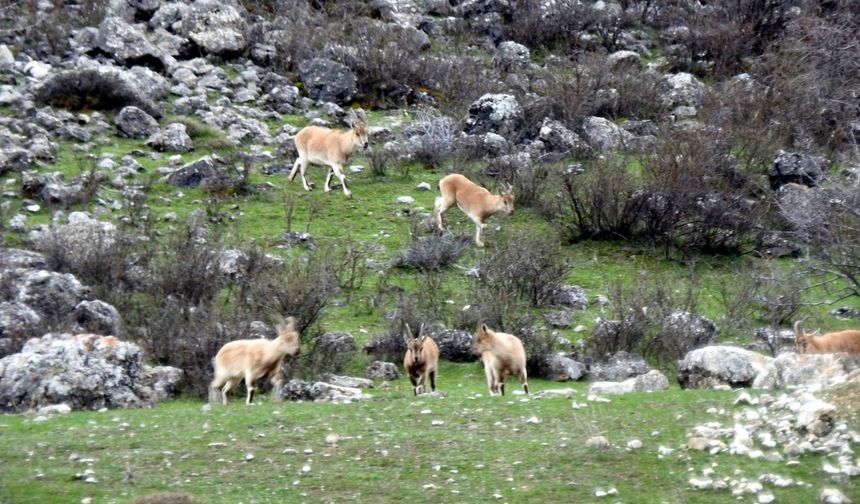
[359,128]
[290,335]
[415,345]
[507,198]
[482,340]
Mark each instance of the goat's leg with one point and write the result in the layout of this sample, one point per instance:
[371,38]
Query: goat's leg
[327,186]
[491,378]
[442,205]
[304,169]
[295,169]
[249,384]
[433,381]
[228,386]
[338,170]
[524,381]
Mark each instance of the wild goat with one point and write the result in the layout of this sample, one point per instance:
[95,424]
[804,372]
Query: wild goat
[503,355]
[833,342]
[329,147]
[421,360]
[475,201]
[253,359]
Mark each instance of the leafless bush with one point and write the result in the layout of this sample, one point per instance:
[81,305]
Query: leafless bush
[828,220]
[433,253]
[639,309]
[433,138]
[604,201]
[530,180]
[548,24]
[697,195]
[93,89]
[765,294]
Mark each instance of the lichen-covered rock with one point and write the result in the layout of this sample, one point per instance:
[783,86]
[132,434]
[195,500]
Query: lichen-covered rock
[327,80]
[216,27]
[650,381]
[18,323]
[713,366]
[812,371]
[455,345]
[603,134]
[85,371]
[300,390]
[681,89]
[559,368]
[570,296]
[385,371]
[204,171]
[128,45]
[797,168]
[172,138]
[97,317]
[133,122]
[496,113]
[618,367]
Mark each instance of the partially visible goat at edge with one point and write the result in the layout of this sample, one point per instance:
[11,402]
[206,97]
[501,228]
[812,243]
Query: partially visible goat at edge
[252,359]
[329,147]
[421,360]
[475,201]
[847,341]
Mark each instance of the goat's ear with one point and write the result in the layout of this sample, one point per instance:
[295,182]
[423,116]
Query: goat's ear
[290,324]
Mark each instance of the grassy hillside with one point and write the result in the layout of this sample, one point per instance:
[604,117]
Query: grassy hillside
[465,447]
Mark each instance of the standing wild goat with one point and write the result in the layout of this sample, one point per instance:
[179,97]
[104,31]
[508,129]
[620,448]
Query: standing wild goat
[421,360]
[473,200]
[253,359]
[329,147]
[832,342]
[503,355]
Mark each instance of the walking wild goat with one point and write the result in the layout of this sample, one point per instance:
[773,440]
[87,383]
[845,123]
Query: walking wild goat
[253,359]
[475,201]
[329,147]
[421,360]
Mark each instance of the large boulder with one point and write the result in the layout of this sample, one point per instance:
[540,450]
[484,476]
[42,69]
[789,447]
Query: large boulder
[128,44]
[339,343]
[18,323]
[455,345]
[683,331]
[205,171]
[569,296]
[618,367]
[650,381]
[216,27]
[495,113]
[47,292]
[17,258]
[172,138]
[560,140]
[380,370]
[328,81]
[132,122]
[512,56]
[793,167]
[14,158]
[97,317]
[714,366]
[681,89]
[603,134]
[559,368]
[84,371]
[52,188]
[300,390]
[812,371]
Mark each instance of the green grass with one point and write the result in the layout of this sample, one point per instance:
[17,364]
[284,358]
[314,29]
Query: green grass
[387,450]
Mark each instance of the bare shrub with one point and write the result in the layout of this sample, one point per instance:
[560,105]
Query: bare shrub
[828,220]
[605,200]
[433,138]
[639,310]
[93,89]
[433,253]
[530,181]
[696,195]
[548,24]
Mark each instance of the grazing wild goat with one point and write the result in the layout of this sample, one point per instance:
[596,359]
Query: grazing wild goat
[503,355]
[421,360]
[473,200]
[253,359]
[329,147]
[832,342]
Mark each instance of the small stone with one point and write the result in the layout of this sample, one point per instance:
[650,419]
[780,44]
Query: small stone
[634,444]
[405,199]
[249,457]
[533,420]
[217,445]
[833,496]
[437,423]
[599,442]
[701,483]
[306,468]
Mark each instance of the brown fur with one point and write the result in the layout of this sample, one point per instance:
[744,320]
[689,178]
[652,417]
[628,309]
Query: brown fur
[503,355]
[421,361]
[253,359]
[475,201]
[833,342]
[330,147]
